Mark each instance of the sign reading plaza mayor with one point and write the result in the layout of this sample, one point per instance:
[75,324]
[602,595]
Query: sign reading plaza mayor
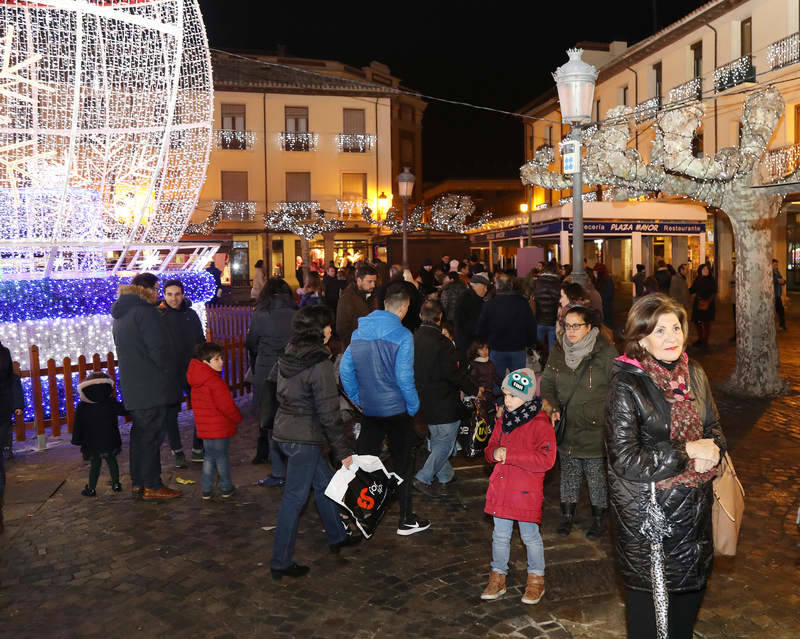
[624,229]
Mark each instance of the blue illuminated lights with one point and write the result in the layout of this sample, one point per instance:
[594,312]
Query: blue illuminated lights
[22,300]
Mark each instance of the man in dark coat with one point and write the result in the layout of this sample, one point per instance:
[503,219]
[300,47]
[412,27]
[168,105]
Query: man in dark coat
[353,303]
[332,287]
[147,378]
[507,323]
[468,310]
[411,320]
[663,277]
[546,296]
[439,382]
[185,331]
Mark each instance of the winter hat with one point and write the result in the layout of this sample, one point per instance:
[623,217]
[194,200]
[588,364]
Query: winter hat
[479,278]
[520,383]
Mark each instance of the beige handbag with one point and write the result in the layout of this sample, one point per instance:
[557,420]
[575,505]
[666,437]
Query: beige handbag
[728,508]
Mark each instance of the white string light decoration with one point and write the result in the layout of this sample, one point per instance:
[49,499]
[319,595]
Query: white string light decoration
[105,129]
[304,219]
[394,219]
[451,212]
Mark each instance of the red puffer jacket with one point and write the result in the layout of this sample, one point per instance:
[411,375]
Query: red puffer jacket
[515,487]
[215,414]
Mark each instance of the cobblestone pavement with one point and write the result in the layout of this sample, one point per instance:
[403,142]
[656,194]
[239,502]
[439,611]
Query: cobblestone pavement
[72,566]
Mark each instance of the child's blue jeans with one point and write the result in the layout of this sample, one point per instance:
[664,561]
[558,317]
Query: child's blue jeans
[216,458]
[501,545]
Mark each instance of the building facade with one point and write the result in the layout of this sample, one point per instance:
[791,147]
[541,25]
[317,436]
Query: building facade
[718,53]
[311,133]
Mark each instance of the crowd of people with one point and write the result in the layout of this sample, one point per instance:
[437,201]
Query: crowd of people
[397,352]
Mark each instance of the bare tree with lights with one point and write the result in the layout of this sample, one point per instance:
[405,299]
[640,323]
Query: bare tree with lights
[394,219]
[730,181]
[304,219]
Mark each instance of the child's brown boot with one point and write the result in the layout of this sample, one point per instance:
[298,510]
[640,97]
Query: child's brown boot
[534,591]
[496,586]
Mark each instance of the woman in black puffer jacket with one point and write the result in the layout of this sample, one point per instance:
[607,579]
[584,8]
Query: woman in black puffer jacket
[307,418]
[662,427]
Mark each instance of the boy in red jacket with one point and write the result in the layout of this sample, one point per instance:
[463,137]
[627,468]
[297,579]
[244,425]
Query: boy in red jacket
[524,446]
[215,416]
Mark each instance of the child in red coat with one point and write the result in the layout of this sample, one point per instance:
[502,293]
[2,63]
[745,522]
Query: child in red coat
[215,416]
[523,445]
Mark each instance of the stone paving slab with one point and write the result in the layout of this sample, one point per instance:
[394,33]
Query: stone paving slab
[110,566]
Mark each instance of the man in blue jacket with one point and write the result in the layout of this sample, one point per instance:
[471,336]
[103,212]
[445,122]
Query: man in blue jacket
[377,373]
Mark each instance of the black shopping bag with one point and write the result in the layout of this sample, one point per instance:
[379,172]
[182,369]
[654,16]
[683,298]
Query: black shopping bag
[364,491]
[476,428]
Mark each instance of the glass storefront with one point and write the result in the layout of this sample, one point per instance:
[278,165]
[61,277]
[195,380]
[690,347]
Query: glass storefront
[344,252]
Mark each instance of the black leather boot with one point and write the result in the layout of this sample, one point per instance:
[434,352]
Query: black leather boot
[567,515]
[599,525]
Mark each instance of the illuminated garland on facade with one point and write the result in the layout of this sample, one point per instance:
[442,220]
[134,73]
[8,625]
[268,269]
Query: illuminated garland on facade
[305,219]
[690,90]
[784,52]
[350,208]
[734,73]
[394,219]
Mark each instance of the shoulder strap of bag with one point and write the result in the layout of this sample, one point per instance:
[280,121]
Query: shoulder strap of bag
[579,376]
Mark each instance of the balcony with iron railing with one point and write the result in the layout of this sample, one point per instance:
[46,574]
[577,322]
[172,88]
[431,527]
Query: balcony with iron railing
[355,142]
[350,208]
[734,73]
[646,110]
[299,141]
[232,140]
[779,163]
[784,52]
[691,90]
[228,211]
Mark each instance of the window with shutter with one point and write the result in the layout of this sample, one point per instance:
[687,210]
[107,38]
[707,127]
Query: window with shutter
[354,186]
[234,186]
[298,187]
[354,121]
[233,117]
[296,119]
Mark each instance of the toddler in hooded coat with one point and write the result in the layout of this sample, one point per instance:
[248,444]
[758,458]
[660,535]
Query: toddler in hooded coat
[96,429]
[215,416]
[523,449]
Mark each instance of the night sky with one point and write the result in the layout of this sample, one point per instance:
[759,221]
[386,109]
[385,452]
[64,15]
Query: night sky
[478,52]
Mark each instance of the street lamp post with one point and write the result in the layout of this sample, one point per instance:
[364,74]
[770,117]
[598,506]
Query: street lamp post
[575,81]
[405,186]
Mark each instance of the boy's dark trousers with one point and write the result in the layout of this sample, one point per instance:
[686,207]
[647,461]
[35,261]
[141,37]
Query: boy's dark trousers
[400,431]
[94,470]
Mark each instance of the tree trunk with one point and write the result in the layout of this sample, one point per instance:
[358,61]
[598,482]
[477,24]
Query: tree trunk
[305,251]
[756,373]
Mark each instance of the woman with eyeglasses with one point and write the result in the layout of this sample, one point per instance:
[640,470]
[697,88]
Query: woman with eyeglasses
[574,388]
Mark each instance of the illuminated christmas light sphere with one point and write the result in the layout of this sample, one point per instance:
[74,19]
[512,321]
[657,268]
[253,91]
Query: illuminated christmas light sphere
[105,131]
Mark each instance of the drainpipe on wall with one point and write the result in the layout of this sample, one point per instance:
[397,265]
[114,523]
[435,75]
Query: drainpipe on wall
[635,98]
[716,148]
[267,236]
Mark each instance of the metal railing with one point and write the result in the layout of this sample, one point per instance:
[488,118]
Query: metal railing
[646,110]
[780,162]
[231,140]
[691,90]
[784,52]
[734,73]
[355,142]
[302,141]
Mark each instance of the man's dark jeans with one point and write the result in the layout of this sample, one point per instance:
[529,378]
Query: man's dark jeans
[147,433]
[173,434]
[780,312]
[5,427]
[400,431]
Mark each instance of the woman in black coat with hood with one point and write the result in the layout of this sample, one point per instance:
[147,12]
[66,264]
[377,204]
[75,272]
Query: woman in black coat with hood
[270,328]
[663,438]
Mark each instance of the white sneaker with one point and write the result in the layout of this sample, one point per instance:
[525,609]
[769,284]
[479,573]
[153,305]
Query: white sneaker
[413,525]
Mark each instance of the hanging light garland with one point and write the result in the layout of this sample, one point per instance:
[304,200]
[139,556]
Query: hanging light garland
[305,219]
[394,219]
[451,212]
[355,142]
[734,73]
[350,208]
[230,139]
